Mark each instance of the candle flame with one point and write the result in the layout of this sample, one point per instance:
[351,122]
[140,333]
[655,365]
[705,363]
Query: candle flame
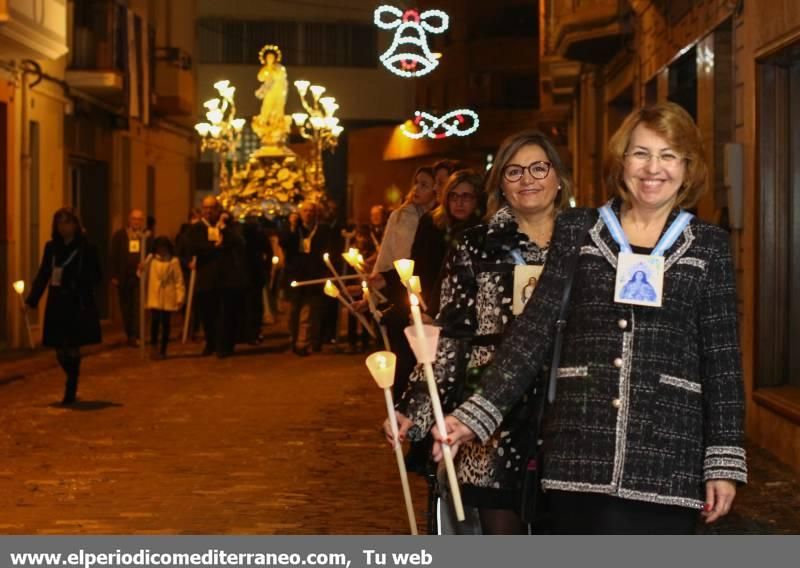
[275,260]
[331,290]
[326,257]
[19,287]
[293,284]
[414,300]
[381,361]
[364,284]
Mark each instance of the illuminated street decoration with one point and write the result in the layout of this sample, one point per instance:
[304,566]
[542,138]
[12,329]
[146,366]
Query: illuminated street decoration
[461,122]
[409,54]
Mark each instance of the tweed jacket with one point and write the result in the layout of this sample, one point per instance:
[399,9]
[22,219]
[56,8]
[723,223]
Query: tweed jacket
[476,308]
[649,401]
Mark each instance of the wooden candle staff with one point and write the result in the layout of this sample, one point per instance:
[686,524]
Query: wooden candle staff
[381,366]
[327,258]
[376,314]
[19,288]
[189,300]
[333,292]
[296,284]
[143,293]
[423,340]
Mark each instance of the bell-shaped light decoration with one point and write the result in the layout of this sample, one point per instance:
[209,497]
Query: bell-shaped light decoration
[381,366]
[238,124]
[405,269]
[299,118]
[19,287]
[221,85]
[330,290]
[424,351]
[202,128]
[214,116]
[414,285]
[317,91]
[211,104]
[337,130]
[215,130]
[317,122]
[302,86]
[331,122]
[229,92]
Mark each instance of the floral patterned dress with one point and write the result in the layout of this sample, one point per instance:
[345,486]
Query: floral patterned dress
[476,308]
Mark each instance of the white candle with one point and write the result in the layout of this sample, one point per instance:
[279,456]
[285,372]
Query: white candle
[296,284]
[433,391]
[415,287]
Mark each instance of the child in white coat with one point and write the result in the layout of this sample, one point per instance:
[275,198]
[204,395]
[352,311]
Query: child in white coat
[165,293]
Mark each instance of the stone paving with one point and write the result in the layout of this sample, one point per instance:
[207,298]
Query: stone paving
[260,443]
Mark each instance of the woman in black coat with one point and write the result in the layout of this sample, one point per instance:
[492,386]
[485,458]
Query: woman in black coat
[69,272]
[646,428]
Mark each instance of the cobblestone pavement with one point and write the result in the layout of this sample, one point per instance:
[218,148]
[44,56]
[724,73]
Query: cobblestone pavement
[260,443]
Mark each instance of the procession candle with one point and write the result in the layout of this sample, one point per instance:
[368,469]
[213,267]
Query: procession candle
[296,284]
[190,299]
[327,258]
[405,269]
[19,288]
[333,292]
[376,314]
[415,287]
[381,366]
[426,359]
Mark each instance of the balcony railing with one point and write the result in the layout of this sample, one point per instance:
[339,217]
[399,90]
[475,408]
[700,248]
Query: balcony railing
[99,39]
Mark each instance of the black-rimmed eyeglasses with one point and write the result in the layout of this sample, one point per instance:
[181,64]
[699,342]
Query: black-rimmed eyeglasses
[538,170]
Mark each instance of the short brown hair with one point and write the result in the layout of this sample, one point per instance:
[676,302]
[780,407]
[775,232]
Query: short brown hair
[507,149]
[441,215]
[676,126]
[66,214]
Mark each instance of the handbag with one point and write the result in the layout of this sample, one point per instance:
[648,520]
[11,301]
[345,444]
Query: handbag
[533,506]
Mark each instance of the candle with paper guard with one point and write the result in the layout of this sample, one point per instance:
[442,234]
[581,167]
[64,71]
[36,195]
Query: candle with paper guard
[426,359]
[332,291]
[19,288]
[381,366]
[354,259]
[415,287]
[405,269]
[327,259]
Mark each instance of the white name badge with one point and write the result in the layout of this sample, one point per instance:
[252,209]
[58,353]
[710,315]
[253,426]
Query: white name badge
[134,246]
[213,234]
[525,280]
[307,246]
[55,276]
[640,279]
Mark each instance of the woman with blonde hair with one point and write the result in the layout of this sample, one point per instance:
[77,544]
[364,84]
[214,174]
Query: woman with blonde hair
[645,427]
[528,186]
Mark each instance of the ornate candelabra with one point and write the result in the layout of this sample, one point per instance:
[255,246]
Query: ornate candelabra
[223,131]
[318,125]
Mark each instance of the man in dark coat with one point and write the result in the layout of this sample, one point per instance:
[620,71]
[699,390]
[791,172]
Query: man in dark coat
[304,246]
[221,278]
[126,255]
[258,253]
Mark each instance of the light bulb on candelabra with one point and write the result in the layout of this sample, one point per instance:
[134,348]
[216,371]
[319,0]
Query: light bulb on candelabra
[337,130]
[215,130]
[211,104]
[302,86]
[221,85]
[238,124]
[317,91]
[331,122]
[214,116]
[229,92]
[317,122]
[299,118]
[202,128]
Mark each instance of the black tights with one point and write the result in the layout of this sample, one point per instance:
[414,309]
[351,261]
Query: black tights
[159,321]
[501,521]
[70,361]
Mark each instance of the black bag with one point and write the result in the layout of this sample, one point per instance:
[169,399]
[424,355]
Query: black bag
[533,505]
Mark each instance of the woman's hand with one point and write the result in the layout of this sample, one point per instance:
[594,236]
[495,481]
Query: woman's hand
[403,424]
[719,498]
[457,434]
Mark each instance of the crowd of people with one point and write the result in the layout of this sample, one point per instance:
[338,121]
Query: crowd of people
[588,359]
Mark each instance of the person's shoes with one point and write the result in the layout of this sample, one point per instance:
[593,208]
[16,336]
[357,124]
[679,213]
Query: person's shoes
[68,400]
[301,351]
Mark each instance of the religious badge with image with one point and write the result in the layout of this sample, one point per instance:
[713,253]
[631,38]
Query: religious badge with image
[640,280]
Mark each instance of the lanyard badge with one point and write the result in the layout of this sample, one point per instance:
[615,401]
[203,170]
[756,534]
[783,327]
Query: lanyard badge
[134,246]
[640,277]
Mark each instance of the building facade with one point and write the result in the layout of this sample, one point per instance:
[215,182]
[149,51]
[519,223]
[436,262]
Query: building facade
[735,66]
[96,108]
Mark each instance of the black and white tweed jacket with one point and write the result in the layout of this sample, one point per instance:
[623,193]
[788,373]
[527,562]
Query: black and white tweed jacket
[650,401]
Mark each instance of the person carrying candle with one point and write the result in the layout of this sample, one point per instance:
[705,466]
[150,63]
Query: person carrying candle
[69,272]
[126,257]
[527,187]
[646,426]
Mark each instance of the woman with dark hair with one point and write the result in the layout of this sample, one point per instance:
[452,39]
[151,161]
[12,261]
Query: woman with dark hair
[484,281]
[165,293]
[646,425]
[69,272]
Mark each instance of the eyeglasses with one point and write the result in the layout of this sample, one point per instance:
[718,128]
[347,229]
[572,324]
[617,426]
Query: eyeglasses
[461,198]
[642,157]
[538,170]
